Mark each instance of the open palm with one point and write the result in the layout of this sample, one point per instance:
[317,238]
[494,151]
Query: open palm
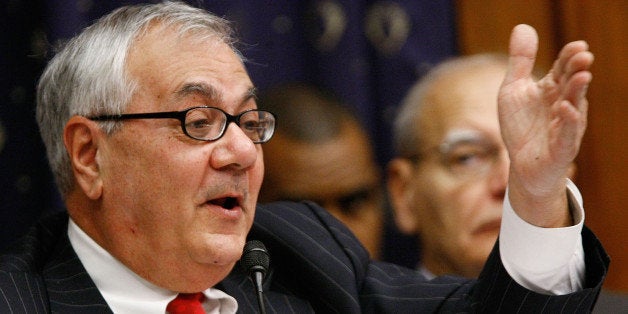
[542,122]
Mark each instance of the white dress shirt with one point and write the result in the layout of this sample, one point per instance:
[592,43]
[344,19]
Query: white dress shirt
[544,260]
[126,292]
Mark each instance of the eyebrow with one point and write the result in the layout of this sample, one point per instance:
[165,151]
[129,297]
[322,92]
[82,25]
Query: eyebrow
[462,135]
[210,92]
[202,89]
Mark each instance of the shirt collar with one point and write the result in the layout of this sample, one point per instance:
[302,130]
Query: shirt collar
[126,292]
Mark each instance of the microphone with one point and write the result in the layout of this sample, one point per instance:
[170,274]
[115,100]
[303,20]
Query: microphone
[255,261]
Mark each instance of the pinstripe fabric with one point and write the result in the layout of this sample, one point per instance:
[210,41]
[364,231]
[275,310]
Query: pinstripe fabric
[316,266]
[315,257]
[43,274]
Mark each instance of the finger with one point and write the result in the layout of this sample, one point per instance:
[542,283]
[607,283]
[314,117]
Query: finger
[579,62]
[524,43]
[575,89]
[571,112]
[570,125]
[566,57]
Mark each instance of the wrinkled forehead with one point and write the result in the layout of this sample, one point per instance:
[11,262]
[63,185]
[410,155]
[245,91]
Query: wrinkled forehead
[164,61]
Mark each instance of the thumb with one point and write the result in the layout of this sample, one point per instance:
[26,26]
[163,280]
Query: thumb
[524,44]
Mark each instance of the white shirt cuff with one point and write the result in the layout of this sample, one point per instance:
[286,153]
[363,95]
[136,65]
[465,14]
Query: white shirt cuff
[544,260]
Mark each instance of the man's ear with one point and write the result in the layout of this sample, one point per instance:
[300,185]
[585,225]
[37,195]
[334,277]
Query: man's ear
[399,181]
[81,137]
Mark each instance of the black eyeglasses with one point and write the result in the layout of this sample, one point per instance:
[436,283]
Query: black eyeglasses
[209,123]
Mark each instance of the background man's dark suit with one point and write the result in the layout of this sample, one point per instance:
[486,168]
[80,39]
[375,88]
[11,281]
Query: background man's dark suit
[316,264]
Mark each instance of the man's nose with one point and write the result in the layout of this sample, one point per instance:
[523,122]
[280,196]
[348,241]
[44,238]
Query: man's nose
[235,149]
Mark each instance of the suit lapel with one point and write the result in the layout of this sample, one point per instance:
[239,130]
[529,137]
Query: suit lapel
[70,288]
[276,299]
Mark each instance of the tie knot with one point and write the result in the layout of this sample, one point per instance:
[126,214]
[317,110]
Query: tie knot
[187,303]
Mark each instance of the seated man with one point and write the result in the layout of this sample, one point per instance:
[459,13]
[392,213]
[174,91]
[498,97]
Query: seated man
[449,181]
[154,136]
[320,152]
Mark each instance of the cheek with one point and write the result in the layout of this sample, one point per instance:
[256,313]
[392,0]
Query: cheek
[256,176]
[444,203]
[142,168]
[124,169]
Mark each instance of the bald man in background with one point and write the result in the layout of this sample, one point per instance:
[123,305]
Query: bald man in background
[448,182]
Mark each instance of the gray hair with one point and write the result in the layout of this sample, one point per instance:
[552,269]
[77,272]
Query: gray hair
[406,125]
[88,76]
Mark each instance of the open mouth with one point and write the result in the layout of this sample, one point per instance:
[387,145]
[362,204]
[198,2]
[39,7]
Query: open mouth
[225,202]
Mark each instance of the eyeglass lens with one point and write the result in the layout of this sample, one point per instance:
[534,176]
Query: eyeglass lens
[470,157]
[210,124]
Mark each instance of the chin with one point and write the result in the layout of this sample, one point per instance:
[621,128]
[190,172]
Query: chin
[223,250]
[212,275]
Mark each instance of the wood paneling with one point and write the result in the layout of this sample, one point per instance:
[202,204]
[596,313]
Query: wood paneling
[484,25]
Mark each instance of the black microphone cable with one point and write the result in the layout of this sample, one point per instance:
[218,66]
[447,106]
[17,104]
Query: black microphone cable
[255,261]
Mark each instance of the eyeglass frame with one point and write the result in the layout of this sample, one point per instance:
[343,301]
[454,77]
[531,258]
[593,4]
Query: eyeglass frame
[444,147]
[182,115]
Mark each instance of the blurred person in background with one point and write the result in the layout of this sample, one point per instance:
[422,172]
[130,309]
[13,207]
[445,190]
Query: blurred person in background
[448,183]
[321,152]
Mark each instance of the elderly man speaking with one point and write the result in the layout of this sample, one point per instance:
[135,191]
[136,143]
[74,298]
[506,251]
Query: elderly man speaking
[153,133]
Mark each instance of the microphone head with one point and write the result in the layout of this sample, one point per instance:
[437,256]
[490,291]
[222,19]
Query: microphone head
[255,258]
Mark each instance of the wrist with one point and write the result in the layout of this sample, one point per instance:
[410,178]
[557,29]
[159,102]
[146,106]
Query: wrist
[546,208]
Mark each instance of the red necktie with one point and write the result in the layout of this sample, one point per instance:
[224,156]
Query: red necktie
[187,303]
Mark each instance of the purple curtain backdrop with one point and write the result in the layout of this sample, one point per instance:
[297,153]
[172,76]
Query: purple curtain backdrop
[366,52]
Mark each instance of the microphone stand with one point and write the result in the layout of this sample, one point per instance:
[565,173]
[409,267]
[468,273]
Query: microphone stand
[259,276]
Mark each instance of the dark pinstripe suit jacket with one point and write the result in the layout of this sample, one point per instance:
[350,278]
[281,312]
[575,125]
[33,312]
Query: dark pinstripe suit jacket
[317,265]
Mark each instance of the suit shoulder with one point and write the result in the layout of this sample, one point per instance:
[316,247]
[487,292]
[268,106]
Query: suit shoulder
[30,252]
[305,224]
[312,251]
